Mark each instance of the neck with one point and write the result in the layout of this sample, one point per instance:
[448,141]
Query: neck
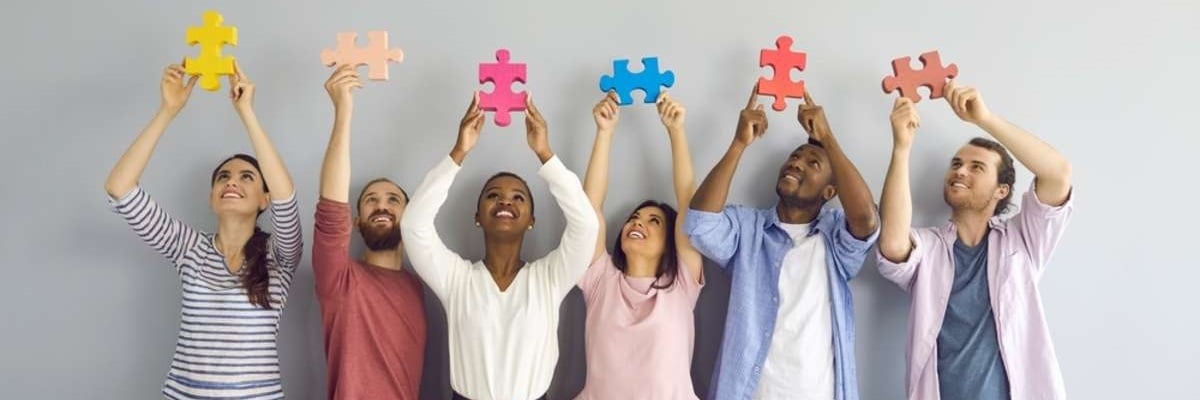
[793,212]
[392,259]
[971,225]
[232,233]
[502,257]
[640,266]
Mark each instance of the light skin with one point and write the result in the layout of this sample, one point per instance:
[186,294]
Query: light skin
[971,186]
[505,204]
[644,233]
[236,196]
[808,178]
[382,203]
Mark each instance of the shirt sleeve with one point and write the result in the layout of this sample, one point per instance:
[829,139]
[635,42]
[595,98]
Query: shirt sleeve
[715,235]
[904,273]
[426,252]
[331,246]
[688,283]
[1041,225]
[596,272]
[287,240]
[567,263]
[167,235]
[851,251]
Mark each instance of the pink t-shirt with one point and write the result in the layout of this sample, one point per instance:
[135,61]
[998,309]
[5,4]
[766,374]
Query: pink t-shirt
[639,339]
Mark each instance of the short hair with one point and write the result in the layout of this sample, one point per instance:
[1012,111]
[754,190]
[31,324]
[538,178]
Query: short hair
[1006,174]
[377,180]
[506,174]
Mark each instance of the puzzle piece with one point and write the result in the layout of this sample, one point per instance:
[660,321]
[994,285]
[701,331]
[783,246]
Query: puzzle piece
[210,64]
[782,60]
[649,80]
[907,80]
[502,75]
[375,56]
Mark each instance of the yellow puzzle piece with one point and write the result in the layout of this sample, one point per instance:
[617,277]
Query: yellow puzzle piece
[210,65]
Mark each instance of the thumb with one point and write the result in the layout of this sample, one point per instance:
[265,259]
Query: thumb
[192,82]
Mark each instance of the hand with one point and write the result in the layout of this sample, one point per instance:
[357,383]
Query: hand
[606,113]
[670,112]
[905,122]
[812,118]
[340,84]
[470,126]
[752,122]
[966,103]
[536,131]
[175,94]
[241,90]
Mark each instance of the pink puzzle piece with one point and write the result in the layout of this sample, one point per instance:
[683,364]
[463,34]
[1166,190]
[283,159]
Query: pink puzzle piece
[502,99]
[782,60]
[907,80]
[375,56]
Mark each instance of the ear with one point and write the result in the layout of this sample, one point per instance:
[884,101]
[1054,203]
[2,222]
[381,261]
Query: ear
[829,193]
[264,202]
[476,218]
[1002,191]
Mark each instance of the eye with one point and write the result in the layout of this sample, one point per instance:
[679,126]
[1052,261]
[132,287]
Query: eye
[519,198]
[976,168]
[246,176]
[655,221]
[491,196]
[394,200]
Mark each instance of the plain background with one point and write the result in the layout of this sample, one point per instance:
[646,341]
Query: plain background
[91,312]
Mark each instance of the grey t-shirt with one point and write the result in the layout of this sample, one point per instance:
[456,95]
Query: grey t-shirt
[969,362]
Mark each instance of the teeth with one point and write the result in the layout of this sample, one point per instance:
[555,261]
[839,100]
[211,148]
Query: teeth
[959,185]
[636,235]
[381,219]
[791,177]
[504,214]
[231,195]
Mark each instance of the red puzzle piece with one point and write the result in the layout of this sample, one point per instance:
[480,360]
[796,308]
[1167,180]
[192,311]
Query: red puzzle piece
[932,76]
[782,59]
[502,99]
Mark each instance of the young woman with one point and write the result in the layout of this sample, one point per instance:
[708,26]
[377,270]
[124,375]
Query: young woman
[640,330]
[235,282]
[501,312]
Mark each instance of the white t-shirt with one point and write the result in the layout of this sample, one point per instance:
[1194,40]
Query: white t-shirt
[503,344]
[799,361]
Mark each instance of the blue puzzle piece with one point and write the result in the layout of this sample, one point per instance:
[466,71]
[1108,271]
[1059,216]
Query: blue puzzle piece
[649,80]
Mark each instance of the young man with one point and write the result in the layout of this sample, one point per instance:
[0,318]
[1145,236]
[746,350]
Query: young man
[977,330]
[372,309]
[790,328]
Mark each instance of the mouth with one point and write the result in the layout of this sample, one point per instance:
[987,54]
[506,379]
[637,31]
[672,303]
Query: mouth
[504,214]
[636,234]
[790,177]
[958,185]
[232,194]
[382,218]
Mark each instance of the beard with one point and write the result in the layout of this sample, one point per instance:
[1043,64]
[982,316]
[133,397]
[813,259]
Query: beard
[379,239]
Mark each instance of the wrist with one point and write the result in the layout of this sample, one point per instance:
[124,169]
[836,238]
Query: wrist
[544,154]
[168,111]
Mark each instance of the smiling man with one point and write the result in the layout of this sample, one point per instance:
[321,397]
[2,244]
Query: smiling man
[372,309]
[789,333]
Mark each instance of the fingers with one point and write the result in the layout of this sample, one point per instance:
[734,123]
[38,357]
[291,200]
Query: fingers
[237,71]
[531,109]
[752,104]
[808,100]
[192,82]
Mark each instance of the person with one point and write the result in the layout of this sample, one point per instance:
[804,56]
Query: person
[235,281]
[501,312]
[372,309]
[976,325]
[640,298]
[789,332]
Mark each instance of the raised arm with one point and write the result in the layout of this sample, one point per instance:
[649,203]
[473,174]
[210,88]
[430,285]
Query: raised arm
[673,114]
[713,192]
[1051,168]
[128,170]
[335,170]
[241,92]
[595,183]
[856,197]
[895,241]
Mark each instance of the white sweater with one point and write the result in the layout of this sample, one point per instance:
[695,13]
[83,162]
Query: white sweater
[503,345]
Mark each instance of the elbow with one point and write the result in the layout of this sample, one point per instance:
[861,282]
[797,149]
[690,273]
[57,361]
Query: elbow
[896,251]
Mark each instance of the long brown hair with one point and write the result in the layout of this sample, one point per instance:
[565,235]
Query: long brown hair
[256,279]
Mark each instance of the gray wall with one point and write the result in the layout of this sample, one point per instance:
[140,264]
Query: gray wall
[90,312]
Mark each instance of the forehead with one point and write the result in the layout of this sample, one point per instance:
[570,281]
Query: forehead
[972,153]
[506,183]
[649,210]
[237,165]
[809,150]
[382,187]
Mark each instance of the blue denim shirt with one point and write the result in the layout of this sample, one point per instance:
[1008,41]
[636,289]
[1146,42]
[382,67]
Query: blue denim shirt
[749,246]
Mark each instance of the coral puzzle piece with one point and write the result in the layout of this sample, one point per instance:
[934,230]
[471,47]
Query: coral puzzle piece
[933,76]
[502,74]
[649,80]
[375,55]
[782,60]
[210,64]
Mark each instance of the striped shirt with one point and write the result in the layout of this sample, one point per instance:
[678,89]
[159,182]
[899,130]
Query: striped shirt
[226,346]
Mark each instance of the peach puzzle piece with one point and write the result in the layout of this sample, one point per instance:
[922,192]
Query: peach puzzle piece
[375,56]
[782,60]
[210,64]
[502,99]
[933,76]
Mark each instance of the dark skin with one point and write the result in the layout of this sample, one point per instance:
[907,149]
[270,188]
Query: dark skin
[505,204]
[810,177]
